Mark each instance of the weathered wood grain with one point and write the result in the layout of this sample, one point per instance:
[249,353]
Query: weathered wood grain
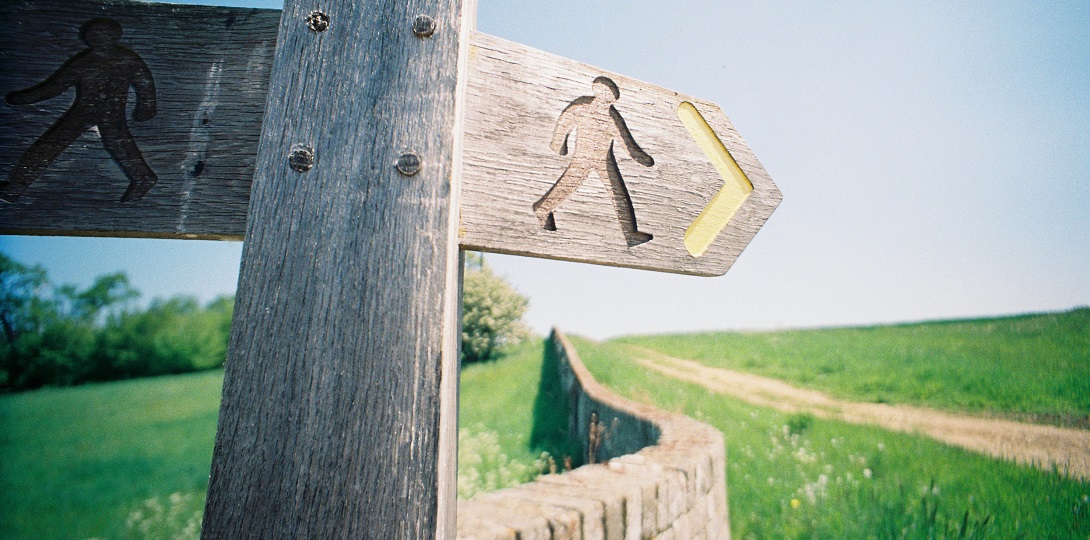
[450,364]
[211,70]
[516,98]
[331,422]
[210,67]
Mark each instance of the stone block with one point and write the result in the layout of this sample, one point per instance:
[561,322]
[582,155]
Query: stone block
[612,505]
[674,489]
[564,523]
[621,496]
[591,512]
[652,479]
[717,527]
[667,535]
[493,510]
[477,523]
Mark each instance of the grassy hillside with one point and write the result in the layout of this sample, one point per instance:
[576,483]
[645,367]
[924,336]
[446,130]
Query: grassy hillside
[795,476]
[509,415]
[80,462]
[1035,366]
[131,459]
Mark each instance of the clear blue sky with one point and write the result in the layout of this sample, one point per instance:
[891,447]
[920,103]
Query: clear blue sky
[934,159]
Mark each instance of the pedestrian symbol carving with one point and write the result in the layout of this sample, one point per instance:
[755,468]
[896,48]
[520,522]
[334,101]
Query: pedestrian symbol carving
[597,125]
[101,75]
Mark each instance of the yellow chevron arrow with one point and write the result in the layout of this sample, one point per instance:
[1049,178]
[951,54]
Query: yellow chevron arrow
[711,221]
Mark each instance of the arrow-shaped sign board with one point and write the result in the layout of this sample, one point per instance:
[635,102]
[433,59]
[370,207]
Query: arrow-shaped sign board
[566,161]
[560,160]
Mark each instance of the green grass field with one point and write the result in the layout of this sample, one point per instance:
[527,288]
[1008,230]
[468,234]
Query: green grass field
[131,459]
[509,415]
[1035,367]
[80,462]
[794,476]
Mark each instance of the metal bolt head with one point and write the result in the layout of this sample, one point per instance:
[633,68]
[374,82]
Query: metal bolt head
[318,21]
[423,26]
[301,158]
[408,164]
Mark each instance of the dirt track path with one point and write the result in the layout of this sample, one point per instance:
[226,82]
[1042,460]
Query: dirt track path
[1038,445]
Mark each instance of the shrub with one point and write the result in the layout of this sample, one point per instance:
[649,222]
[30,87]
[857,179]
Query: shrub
[177,516]
[170,336]
[491,313]
[62,335]
[483,467]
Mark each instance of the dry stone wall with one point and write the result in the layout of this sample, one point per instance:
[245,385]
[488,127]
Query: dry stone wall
[655,475]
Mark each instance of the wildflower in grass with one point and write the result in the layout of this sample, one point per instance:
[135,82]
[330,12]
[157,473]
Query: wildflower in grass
[795,503]
[867,473]
[804,456]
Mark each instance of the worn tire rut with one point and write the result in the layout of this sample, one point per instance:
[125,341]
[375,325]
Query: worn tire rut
[1045,447]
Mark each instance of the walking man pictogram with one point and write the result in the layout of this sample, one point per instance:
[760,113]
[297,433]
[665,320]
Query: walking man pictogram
[102,76]
[597,125]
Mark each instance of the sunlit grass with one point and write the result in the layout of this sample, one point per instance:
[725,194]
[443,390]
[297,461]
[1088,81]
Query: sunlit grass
[515,421]
[500,395]
[131,459]
[792,476]
[76,462]
[1034,366]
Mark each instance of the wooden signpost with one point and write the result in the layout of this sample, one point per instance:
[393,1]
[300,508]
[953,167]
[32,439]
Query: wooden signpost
[567,161]
[355,148]
[698,180]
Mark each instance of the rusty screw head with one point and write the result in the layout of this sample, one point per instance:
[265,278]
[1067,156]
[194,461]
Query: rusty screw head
[318,21]
[423,26]
[301,158]
[408,164]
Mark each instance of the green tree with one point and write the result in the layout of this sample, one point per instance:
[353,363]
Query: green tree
[20,288]
[22,315]
[170,336]
[491,312]
[62,335]
[50,332]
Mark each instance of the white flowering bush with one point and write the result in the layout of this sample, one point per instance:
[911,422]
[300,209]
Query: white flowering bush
[177,516]
[491,313]
[483,467]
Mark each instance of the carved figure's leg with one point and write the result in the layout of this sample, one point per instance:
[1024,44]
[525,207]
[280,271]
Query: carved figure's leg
[118,142]
[570,181]
[41,154]
[622,201]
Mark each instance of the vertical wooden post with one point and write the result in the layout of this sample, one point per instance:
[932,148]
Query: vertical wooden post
[340,398]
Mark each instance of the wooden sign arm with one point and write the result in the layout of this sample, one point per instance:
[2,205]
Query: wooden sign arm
[144,85]
[564,126]
[637,153]
[53,86]
[195,163]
